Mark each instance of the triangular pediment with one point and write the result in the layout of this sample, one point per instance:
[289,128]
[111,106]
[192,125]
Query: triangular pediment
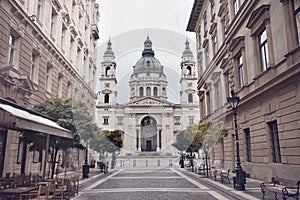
[106,91]
[150,101]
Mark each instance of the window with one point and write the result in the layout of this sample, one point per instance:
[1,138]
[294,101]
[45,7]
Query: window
[105,120]
[106,98]
[71,50]
[190,98]
[215,44]
[260,25]
[69,90]
[53,23]
[60,86]
[235,6]
[39,9]
[208,102]
[217,94]
[205,22]
[191,120]
[224,28]
[78,59]
[240,70]
[248,144]
[263,50]
[206,57]
[120,120]
[63,36]
[141,91]
[107,71]
[296,7]
[276,157]
[177,120]
[212,8]
[11,49]
[189,70]
[148,91]
[227,83]
[48,78]
[155,91]
[202,108]
[34,67]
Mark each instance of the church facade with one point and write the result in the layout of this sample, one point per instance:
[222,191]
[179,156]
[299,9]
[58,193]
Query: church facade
[150,122]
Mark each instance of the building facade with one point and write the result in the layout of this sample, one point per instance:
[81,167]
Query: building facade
[251,47]
[150,122]
[46,51]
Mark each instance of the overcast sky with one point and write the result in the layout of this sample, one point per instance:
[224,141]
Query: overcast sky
[127,23]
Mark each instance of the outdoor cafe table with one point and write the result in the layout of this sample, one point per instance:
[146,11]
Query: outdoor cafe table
[15,193]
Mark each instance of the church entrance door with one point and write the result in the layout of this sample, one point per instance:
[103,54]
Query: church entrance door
[148,134]
[148,145]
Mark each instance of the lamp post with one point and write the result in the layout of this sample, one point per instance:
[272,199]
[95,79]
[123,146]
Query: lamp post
[240,179]
[86,167]
[206,150]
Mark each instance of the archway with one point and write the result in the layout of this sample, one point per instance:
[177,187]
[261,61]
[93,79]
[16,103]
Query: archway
[148,134]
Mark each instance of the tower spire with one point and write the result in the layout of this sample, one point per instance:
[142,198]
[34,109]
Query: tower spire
[109,53]
[148,47]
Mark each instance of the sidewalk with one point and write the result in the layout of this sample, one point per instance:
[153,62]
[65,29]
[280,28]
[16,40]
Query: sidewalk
[252,192]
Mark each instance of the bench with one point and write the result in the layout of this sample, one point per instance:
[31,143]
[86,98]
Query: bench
[224,174]
[281,186]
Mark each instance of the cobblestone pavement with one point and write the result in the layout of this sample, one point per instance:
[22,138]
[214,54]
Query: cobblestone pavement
[163,183]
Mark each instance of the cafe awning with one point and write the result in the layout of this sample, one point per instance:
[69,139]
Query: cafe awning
[18,119]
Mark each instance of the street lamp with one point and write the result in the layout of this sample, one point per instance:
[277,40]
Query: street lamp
[240,179]
[206,150]
[86,167]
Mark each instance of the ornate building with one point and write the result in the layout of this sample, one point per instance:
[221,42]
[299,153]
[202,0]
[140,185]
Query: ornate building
[149,120]
[251,47]
[46,51]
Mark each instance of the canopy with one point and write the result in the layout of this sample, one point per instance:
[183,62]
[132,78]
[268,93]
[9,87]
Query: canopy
[16,118]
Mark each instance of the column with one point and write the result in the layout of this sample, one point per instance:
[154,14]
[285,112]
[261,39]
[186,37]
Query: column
[157,140]
[140,141]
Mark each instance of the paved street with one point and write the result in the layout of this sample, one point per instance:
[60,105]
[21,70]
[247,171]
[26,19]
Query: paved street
[169,183]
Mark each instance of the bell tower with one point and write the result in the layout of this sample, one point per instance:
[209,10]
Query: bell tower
[108,80]
[188,80]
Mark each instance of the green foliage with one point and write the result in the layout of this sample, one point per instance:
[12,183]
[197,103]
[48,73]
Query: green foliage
[182,143]
[110,141]
[207,131]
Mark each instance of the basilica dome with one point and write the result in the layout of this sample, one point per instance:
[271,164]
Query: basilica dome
[148,63]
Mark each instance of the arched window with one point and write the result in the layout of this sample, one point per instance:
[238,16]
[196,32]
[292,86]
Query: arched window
[148,91]
[189,70]
[155,91]
[141,91]
[164,91]
[107,71]
[190,98]
[106,98]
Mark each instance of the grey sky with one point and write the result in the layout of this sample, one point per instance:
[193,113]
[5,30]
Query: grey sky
[128,22]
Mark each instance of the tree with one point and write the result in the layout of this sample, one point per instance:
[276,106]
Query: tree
[108,141]
[182,143]
[207,131]
[75,118]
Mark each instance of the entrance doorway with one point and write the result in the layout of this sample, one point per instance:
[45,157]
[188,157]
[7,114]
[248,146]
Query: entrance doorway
[148,134]
[148,145]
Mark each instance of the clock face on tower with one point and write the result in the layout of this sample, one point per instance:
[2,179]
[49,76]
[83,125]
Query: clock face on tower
[190,84]
[106,85]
